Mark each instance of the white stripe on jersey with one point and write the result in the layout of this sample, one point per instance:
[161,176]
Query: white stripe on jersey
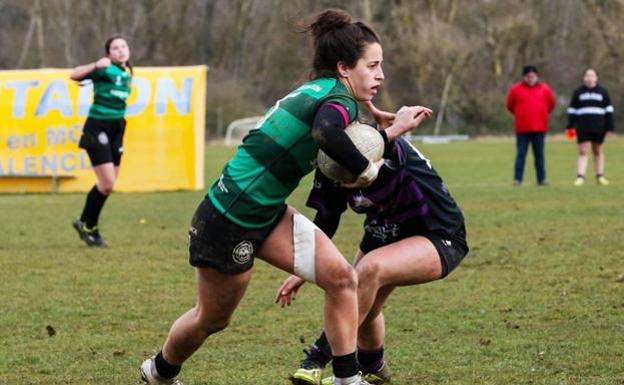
[590,96]
[589,111]
[419,153]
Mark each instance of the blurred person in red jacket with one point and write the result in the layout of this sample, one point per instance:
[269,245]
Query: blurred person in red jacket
[530,101]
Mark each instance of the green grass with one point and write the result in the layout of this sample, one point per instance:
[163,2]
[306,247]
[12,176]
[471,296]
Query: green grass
[536,302]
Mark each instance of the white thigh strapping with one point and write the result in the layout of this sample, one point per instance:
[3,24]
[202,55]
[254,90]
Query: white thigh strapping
[304,247]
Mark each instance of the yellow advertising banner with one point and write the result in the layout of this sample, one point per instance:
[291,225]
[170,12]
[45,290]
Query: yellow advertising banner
[42,113]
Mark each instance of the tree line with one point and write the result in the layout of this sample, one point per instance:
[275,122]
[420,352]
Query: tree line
[459,56]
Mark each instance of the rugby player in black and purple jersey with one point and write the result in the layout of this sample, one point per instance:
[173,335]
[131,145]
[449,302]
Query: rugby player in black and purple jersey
[413,233]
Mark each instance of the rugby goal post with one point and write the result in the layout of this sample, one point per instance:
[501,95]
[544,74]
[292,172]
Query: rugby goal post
[237,130]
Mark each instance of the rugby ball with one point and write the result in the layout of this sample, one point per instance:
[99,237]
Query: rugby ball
[366,139]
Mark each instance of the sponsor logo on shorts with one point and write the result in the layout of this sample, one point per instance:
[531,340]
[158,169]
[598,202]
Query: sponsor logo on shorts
[446,243]
[193,231]
[120,150]
[103,138]
[242,252]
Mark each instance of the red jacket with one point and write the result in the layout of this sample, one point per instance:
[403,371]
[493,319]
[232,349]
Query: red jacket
[530,106]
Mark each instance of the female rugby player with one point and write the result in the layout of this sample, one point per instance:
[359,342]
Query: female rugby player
[102,135]
[413,233]
[590,117]
[244,215]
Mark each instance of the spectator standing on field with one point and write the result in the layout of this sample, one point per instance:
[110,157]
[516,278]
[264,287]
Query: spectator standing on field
[590,118]
[530,101]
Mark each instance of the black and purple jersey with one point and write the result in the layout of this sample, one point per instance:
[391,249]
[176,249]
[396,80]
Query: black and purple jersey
[407,191]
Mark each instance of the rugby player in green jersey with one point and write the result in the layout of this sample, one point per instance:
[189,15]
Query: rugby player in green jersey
[102,135]
[244,215]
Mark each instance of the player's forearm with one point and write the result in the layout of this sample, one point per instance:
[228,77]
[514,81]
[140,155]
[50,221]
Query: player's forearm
[82,71]
[328,132]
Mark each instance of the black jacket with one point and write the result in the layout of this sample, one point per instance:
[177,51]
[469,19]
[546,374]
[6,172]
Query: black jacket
[591,110]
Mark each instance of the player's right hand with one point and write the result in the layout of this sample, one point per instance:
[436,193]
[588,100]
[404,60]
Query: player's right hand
[103,63]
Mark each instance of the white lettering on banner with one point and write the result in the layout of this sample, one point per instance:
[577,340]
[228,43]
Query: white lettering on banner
[21,95]
[21,141]
[142,89]
[63,135]
[55,97]
[165,89]
[65,162]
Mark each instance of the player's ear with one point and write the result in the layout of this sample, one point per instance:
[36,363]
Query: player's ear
[343,69]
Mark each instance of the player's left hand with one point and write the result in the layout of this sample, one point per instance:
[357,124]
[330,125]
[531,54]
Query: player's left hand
[287,292]
[384,119]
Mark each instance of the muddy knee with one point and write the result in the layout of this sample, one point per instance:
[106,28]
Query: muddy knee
[342,278]
[368,273]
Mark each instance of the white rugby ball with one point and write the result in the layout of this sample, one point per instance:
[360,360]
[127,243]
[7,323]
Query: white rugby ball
[366,139]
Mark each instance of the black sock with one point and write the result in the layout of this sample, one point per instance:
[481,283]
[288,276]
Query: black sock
[165,369]
[93,207]
[370,360]
[598,175]
[580,176]
[345,366]
[320,352]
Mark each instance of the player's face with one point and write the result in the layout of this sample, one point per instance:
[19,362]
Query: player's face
[119,52]
[364,79]
[531,79]
[590,79]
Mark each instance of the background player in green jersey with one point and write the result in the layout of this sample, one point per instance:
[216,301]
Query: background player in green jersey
[244,214]
[102,135]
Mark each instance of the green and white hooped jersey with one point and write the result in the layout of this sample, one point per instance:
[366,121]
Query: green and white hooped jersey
[111,88]
[274,156]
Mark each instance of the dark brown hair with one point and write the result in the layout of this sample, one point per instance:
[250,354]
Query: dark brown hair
[108,43]
[337,39]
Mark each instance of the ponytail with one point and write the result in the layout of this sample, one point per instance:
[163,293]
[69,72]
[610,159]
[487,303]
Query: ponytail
[336,38]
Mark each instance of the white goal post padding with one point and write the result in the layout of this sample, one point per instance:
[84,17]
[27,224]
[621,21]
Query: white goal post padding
[239,128]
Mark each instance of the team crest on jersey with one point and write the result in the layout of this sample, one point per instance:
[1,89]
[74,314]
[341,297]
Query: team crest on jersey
[117,80]
[103,138]
[242,252]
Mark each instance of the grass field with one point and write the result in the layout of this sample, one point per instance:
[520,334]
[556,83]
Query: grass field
[539,300]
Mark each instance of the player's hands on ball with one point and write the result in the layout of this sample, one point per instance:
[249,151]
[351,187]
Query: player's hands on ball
[383,119]
[103,63]
[406,119]
[287,292]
